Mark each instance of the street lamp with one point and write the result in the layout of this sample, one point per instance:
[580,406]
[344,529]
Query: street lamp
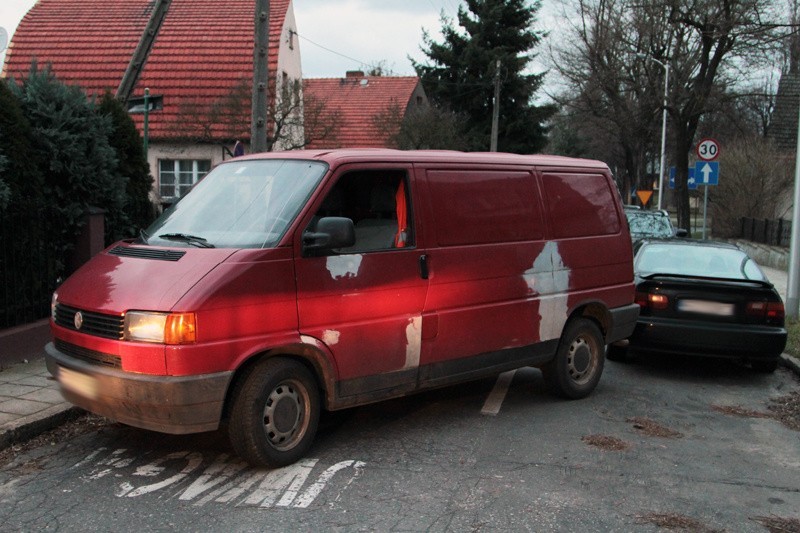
[665,66]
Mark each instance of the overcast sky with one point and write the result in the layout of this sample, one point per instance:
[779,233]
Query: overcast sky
[338,35]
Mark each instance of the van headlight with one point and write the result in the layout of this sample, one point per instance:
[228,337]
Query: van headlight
[163,328]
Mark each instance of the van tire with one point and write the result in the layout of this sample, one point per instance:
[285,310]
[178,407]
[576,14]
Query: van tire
[275,413]
[575,370]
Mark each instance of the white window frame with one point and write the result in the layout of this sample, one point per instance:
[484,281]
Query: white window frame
[173,167]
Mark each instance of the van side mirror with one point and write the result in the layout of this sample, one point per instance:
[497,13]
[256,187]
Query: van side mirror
[680,232]
[330,233]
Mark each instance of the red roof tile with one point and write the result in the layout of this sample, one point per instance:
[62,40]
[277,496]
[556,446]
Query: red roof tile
[356,102]
[203,53]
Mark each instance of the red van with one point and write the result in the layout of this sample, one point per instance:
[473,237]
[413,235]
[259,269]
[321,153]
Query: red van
[288,283]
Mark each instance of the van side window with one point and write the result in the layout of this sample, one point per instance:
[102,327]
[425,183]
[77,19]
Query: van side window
[378,203]
[484,206]
[580,205]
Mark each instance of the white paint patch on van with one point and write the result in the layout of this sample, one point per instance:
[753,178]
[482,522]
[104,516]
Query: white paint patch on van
[549,278]
[343,266]
[308,339]
[413,342]
[330,337]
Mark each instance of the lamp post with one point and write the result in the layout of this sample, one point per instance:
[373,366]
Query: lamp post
[665,66]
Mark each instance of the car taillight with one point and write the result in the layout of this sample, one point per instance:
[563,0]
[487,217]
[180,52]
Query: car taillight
[771,312]
[649,300]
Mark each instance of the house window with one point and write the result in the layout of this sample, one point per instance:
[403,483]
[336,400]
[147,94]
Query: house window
[176,176]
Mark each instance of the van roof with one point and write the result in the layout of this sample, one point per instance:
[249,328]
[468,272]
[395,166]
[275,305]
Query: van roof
[428,156]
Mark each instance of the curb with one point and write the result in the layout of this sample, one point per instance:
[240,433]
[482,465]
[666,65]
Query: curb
[791,362]
[28,427]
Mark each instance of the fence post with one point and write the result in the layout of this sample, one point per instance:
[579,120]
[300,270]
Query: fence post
[91,240]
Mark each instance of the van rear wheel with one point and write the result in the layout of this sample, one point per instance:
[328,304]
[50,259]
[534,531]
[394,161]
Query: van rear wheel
[275,413]
[578,364]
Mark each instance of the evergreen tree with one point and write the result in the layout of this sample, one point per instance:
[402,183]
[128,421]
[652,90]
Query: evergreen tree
[32,254]
[72,138]
[132,165]
[460,74]
[5,190]
[20,173]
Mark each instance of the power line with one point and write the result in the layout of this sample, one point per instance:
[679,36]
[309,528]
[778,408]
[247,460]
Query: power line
[331,51]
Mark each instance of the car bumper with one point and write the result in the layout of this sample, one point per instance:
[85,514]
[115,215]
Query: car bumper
[623,320]
[169,404]
[738,341]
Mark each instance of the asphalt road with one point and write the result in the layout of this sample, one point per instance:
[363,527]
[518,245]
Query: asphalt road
[656,441]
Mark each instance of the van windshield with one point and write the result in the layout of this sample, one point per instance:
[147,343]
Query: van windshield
[247,204]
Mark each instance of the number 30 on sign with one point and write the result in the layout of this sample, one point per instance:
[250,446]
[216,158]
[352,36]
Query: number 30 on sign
[708,149]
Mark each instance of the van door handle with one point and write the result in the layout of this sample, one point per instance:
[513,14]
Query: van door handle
[423,267]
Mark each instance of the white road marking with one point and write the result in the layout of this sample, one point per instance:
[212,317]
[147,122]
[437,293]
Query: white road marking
[498,394]
[227,480]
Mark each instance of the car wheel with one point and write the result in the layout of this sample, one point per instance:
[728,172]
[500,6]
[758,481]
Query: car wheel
[617,353]
[578,364]
[275,413]
[764,367]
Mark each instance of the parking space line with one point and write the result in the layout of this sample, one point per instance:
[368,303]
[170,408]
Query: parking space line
[498,394]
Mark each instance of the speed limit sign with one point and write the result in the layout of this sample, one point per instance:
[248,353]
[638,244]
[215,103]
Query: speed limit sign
[708,149]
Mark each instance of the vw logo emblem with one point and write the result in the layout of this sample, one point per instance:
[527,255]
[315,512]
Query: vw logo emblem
[78,320]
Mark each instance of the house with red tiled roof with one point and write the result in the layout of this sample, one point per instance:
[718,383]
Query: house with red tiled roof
[363,108]
[200,64]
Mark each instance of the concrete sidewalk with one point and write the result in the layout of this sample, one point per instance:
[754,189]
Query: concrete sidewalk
[30,401]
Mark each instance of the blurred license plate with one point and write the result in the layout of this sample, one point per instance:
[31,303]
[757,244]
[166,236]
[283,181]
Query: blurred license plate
[706,307]
[78,383]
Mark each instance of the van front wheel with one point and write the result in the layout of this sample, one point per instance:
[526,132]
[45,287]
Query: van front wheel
[275,413]
[578,364]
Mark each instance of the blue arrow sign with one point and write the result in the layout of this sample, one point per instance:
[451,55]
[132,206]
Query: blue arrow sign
[707,172]
[673,171]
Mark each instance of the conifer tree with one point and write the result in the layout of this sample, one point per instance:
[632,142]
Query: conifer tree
[132,165]
[72,139]
[460,74]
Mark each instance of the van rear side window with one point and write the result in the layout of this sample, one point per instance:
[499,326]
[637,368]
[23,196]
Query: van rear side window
[580,205]
[484,207]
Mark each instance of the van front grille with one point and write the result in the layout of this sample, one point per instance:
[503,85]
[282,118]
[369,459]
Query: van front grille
[97,324]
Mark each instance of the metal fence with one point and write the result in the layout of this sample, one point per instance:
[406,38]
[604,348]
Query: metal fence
[774,232]
[29,269]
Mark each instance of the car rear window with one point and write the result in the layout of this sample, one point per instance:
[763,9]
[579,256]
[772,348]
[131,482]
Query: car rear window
[649,224]
[707,261]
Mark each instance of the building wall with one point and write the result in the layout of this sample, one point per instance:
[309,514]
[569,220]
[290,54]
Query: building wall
[289,66]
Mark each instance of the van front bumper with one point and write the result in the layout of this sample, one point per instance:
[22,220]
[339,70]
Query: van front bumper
[169,404]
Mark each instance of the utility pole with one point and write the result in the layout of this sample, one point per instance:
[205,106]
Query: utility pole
[793,288]
[259,106]
[496,107]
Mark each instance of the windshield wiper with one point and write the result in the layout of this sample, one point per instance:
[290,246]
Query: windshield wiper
[190,239]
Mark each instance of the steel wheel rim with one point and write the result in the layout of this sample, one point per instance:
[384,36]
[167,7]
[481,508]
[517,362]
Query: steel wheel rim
[581,360]
[286,414]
